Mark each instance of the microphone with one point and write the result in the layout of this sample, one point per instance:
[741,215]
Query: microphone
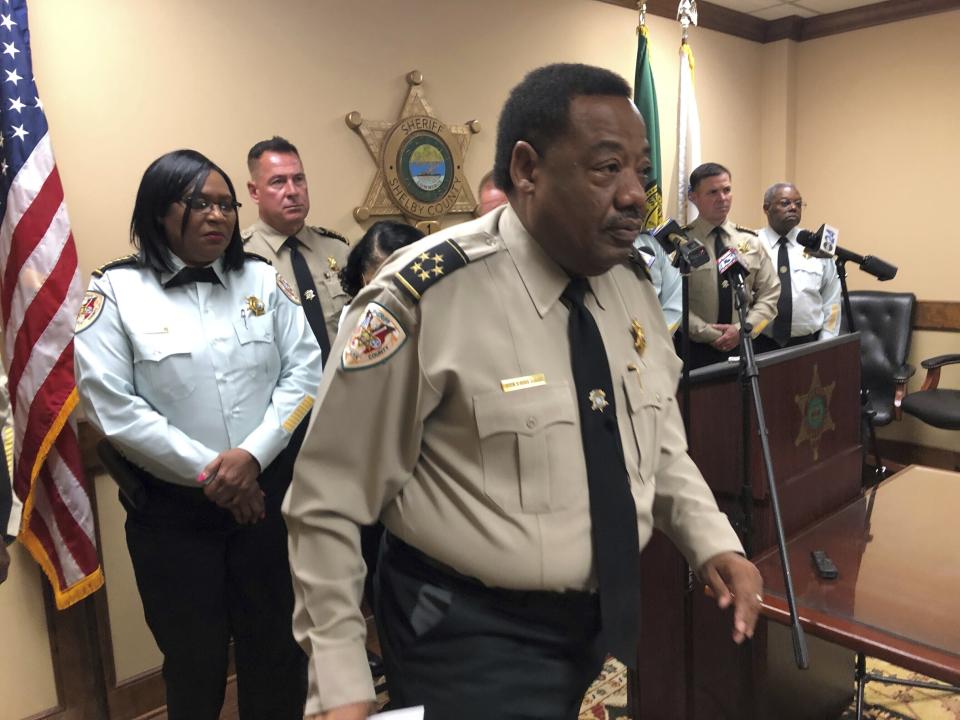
[729,264]
[672,239]
[823,244]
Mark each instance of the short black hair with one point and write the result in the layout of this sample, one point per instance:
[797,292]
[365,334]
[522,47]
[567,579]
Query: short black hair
[275,144]
[377,244]
[538,109]
[171,178]
[702,172]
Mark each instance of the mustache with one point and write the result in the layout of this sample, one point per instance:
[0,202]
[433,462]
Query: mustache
[624,218]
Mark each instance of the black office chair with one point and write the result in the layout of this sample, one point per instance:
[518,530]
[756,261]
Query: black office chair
[931,404]
[884,321]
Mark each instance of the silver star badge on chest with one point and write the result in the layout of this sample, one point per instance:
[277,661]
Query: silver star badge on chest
[598,400]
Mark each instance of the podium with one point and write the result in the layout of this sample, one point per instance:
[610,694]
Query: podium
[689,667]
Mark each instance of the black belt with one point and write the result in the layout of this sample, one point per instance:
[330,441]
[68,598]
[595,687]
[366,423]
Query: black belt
[417,563]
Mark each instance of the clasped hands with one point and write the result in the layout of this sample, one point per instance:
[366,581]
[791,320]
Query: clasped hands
[728,340]
[234,485]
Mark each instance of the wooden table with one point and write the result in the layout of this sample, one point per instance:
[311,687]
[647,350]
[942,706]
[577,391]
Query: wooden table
[897,596]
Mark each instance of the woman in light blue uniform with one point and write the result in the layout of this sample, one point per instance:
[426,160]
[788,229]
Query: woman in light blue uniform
[196,363]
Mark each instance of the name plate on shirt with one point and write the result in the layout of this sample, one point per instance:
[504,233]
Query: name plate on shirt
[522,383]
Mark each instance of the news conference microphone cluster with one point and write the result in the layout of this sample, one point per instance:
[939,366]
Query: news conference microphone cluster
[820,244]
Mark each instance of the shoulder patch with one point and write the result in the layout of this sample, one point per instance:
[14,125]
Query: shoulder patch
[755,233]
[287,289]
[116,262]
[90,310]
[378,335]
[429,267]
[253,256]
[330,233]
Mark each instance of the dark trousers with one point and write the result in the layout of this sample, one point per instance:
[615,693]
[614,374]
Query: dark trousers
[701,354]
[766,344]
[470,652]
[204,579]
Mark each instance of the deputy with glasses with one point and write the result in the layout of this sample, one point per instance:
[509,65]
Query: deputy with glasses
[196,363]
[808,308]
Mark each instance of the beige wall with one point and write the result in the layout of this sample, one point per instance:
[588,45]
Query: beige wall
[125,82]
[877,147]
[27,685]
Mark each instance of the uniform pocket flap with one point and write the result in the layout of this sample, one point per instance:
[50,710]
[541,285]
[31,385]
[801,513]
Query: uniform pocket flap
[254,328]
[643,390]
[524,412]
[155,346]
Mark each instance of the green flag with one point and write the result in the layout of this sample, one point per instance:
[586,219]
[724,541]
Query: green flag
[645,98]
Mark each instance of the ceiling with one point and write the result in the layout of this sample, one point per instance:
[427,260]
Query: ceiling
[775,9]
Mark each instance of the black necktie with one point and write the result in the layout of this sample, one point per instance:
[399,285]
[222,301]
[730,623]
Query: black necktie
[781,324]
[613,514]
[725,297]
[308,295]
[192,274]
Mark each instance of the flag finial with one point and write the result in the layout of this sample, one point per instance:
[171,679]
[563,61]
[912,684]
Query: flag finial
[687,15]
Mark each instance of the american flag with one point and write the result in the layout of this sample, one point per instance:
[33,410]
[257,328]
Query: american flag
[40,295]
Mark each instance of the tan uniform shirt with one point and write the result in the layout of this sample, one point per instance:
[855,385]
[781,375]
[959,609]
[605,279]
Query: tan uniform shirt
[488,480]
[325,255]
[762,284]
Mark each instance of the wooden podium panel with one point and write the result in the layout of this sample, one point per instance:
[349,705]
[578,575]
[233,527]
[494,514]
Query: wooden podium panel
[689,667]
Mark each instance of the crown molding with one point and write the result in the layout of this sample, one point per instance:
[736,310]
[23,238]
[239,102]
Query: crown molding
[748,27]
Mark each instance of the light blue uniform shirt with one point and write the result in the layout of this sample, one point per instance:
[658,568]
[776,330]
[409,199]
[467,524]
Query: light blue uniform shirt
[175,376]
[666,280]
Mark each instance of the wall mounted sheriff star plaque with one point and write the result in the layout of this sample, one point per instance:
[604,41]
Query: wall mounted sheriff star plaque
[419,162]
[814,409]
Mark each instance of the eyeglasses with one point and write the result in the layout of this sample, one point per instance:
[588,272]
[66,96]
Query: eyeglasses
[784,203]
[204,206]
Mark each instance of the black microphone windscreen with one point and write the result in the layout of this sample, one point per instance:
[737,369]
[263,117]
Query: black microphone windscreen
[878,268]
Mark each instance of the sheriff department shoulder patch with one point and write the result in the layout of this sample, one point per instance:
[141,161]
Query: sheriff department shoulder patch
[377,336]
[90,310]
[429,267]
[287,289]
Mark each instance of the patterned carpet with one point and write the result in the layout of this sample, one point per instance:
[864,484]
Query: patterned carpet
[607,697]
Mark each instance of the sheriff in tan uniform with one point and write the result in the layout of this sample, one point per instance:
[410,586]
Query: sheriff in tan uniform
[762,285]
[714,321]
[454,415]
[325,252]
[306,255]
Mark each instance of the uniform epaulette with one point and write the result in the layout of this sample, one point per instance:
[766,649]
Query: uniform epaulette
[133,259]
[755,233]
[246,233]
[330,233]
[254,256]
[429,267]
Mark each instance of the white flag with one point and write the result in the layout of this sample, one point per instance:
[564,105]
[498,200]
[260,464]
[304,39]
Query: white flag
[688,136]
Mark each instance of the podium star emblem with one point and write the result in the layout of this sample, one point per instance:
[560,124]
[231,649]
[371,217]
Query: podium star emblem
[814,408]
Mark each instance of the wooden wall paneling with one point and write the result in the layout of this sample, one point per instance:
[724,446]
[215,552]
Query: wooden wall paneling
[749,27]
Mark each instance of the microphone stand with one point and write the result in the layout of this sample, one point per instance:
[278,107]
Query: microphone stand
[880,471]
[750,371]
[680,262]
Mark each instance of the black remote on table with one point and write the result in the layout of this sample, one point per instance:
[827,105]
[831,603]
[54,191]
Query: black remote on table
[825,566]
